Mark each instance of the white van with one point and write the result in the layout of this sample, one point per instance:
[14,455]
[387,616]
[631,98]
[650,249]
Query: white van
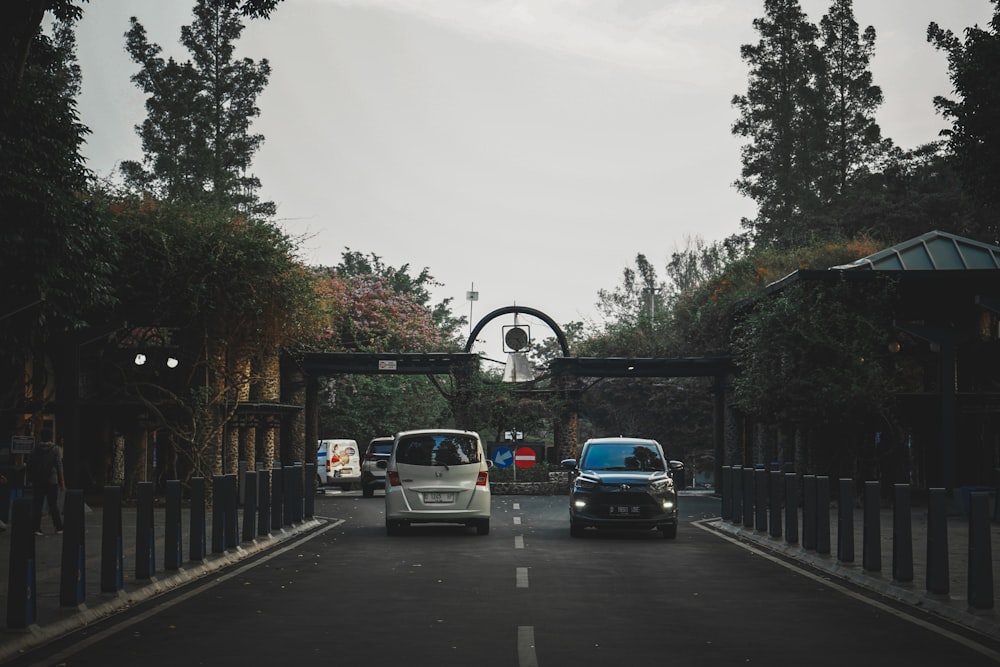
[338,462]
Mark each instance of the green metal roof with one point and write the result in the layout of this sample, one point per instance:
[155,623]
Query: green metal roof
[933,251]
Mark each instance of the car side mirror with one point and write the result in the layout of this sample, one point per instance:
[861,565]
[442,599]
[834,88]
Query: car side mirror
[569,464]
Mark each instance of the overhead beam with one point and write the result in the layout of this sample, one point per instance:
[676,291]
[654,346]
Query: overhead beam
[389,363]
[644,367]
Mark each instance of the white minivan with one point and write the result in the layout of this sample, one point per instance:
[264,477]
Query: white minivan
[437,476]
[338,463]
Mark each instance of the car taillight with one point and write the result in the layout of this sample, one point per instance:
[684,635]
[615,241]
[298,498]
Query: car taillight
[393,478]
[483,478]
[328,467]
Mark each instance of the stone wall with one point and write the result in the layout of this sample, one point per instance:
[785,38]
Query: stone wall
[558,484]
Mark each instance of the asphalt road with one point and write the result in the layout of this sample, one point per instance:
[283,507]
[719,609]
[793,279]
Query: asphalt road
[525,595]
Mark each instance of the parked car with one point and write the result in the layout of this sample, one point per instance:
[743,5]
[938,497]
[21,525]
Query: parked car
[373,465]
[338,462]
[437,476]
[622,483]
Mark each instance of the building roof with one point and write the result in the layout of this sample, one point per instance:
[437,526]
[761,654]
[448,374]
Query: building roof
[933,251]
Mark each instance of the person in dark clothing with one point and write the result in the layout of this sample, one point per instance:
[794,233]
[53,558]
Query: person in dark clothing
[46,475]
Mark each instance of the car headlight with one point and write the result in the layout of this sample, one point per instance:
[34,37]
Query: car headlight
[661,484]
[584,484]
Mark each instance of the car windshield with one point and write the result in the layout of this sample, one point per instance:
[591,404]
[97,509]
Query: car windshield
[381,448]
[622,457]
[440,449]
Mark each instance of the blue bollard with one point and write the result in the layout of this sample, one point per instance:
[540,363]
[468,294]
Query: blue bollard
[277,498]
[145,538]
[823,515]
[980,552]
[760,498]
[775,503]
[310,490]
[737,516]
[249,505]
[938,582]
[791,507]
[173,551]
[748,496]
[264,500]
[845,521]
[726,512]
[197,530]
[218,515]
[809,512]
[73,576]
[232,513]
[902,534]
[871,549]
[22,604]
[112,550]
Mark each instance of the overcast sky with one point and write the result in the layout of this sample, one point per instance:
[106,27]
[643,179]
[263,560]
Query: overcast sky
[532,148]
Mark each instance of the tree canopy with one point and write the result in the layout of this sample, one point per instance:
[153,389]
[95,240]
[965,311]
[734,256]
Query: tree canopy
[196,137]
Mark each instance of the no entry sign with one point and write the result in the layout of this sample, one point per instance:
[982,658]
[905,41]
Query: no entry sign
[524,457]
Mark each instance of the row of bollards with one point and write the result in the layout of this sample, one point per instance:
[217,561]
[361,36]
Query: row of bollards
[271,499]
[754,497]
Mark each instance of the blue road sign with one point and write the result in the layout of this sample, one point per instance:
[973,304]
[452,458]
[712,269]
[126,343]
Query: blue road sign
[503,457]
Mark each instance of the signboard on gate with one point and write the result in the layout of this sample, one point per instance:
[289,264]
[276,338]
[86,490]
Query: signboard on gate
[524,457]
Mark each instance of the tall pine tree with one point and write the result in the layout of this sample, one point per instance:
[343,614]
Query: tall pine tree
[974,137]
[854,139]
[809,114]
[775,115]
[196,138]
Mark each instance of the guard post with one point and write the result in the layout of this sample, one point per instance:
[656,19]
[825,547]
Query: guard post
[73,576]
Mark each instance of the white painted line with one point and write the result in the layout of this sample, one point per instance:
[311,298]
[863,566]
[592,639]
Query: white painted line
[522,577]
[517,521]
[519,541]
[526,646]
[517,506]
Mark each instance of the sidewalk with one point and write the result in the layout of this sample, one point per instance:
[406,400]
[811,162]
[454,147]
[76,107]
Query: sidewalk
[53,620]
[953,606]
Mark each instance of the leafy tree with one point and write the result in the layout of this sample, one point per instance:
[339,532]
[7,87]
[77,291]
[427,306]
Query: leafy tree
[21,20]
[415,288]
[196,137]
[775,115]
[850,101]
[56,251]
[222,293]
[974,138]
[371,307]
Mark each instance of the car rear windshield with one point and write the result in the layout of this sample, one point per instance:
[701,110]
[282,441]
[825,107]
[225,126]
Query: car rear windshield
[622,457]
[430,449]
[380,448]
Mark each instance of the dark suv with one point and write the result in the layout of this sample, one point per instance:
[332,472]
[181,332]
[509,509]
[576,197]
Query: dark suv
[623,483]
[373,465]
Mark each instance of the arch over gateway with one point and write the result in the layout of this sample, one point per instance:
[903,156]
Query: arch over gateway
[507,310]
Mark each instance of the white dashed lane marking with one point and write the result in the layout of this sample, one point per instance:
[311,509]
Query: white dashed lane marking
[522,577]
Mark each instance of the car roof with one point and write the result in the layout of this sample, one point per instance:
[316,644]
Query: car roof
[437,431]
[620,440]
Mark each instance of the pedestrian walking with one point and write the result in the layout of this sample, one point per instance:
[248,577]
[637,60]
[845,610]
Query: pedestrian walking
[45,471]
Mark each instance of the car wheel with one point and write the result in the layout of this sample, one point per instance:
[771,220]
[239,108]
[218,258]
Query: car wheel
[669,532]
[575,529]
[367,491]
[483,527]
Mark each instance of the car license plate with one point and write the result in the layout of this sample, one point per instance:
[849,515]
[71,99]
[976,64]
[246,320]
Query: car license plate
[437,497]
[624,510]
